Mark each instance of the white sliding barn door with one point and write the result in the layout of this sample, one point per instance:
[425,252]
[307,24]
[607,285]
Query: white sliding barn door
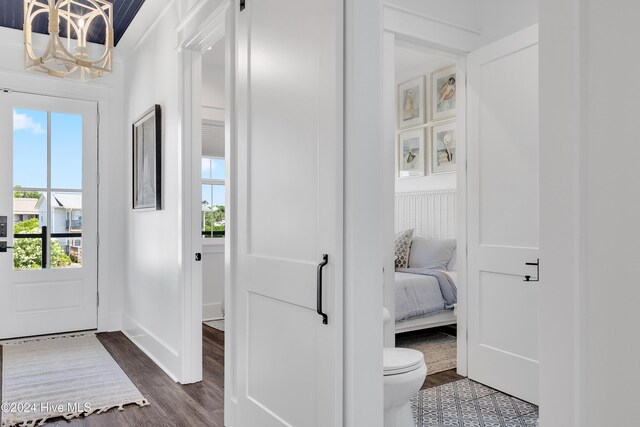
[503,214]
[288,369]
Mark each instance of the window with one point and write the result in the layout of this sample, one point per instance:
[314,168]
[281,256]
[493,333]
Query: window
[213,197]
[47,189]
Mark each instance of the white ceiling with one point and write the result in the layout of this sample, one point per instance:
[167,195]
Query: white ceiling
[215,56]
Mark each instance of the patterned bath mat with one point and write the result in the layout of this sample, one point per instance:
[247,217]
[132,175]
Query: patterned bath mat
[439,349]
[64,376]
[465,403]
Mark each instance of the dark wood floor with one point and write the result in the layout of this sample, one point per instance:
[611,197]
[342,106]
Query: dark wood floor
[173,404]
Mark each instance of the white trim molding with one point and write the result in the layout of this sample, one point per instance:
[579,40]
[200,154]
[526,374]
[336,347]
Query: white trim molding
[162,354]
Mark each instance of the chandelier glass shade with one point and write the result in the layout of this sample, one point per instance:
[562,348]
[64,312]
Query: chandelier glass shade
[65,53]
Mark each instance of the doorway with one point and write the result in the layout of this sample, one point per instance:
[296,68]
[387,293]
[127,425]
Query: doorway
[497,292]
[49,223]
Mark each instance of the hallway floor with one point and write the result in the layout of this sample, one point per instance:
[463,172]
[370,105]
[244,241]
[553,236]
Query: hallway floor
[172,404]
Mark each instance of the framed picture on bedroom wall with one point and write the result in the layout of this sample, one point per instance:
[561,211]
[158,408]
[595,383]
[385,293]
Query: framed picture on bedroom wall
[443,98]
[411,154]
[411,103]
[443,148]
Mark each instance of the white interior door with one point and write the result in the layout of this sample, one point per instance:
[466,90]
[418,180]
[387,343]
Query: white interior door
[48,194]
[289,191]
[503,214]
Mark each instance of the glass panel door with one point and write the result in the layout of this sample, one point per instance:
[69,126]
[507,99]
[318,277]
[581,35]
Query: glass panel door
[47,189]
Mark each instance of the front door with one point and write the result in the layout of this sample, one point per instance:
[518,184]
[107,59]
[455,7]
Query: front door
[288,365]
[48,201]
[503,214]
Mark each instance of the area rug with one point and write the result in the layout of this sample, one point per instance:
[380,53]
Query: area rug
[216,324]
[439,349]
[466,403]
[65,376]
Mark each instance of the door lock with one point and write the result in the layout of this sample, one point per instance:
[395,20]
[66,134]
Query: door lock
[198,256]
[537,278]
[4,247]
[3,226]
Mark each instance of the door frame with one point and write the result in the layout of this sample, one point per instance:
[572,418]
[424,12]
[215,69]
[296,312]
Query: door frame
[204,26]
[447,40]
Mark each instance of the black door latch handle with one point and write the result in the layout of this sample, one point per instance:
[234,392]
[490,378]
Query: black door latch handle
[537,264]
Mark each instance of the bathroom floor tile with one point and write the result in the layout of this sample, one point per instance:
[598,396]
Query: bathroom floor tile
[465,403]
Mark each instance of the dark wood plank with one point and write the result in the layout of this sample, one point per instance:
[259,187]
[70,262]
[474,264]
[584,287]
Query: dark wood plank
[441,378]
[172,404]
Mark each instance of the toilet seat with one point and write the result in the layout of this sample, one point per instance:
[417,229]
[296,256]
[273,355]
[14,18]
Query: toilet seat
[401,360]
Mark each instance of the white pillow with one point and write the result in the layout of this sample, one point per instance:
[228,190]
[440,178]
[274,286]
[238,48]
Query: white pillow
[432,254]
[402,245]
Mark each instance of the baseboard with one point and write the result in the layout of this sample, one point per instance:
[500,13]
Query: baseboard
[115,321]
[212,311]
[162,355]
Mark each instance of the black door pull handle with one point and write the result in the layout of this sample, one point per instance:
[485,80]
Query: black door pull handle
[325,261]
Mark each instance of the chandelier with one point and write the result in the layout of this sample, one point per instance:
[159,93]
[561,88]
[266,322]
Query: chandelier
[70,56]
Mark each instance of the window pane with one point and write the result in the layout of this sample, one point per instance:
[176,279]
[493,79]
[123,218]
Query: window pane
[27,254]
[206,168]
[66,252]
[29,148]
[217,169]
[29,214]
[213,210]
[66,151]
[66,218]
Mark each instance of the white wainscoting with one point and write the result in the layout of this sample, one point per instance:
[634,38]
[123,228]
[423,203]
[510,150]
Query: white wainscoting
[212,280]
[433,214]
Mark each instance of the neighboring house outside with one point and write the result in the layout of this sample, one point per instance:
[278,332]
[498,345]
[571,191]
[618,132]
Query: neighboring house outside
[66,211]
[24,210]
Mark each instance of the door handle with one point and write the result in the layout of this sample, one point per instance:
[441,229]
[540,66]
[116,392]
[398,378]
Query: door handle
[325,261]
[537,278]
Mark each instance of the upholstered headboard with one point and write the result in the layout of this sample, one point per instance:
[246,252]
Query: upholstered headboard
[433,214]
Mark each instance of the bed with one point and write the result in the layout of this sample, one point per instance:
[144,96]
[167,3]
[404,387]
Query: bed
[425,286]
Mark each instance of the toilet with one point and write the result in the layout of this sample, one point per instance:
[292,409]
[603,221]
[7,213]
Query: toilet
[404,374]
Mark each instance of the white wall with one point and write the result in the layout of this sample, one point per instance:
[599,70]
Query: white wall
[476,22]
[590,156]
[107,91]
[213,96]
[412,61]
[500,18]
[152,299]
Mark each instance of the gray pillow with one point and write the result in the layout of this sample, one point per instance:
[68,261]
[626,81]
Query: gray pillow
[433,254]
[452,266]
[402,245]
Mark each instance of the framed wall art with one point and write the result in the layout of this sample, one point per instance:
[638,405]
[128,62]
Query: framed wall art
[411,154]
[411,103]
[147,160]
[443,148]
[443,97]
